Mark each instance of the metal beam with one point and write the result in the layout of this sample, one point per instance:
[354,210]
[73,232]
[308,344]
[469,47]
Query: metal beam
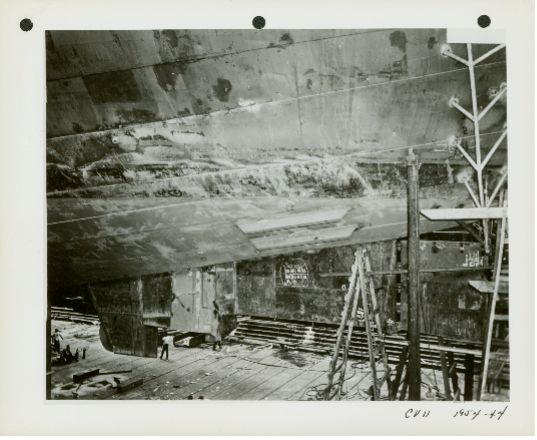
[500,183]
[450,54]
[474,197]
[489,53]
[455,103]
[493,149]
[467,156]
[491,103]
[475,233]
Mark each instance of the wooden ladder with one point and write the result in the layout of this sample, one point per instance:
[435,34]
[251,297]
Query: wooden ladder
[357,285]
[499,360]
[376,342]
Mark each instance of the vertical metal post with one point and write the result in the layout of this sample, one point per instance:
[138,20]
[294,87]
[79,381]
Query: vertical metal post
[476,126]
[497,273]
[414,361]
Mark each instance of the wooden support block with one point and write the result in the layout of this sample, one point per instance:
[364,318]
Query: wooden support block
[501,317]
[405,386]
[464,213]
[79,377]
[469,378]
[129,384]
[445,373]
[399,371]
[453,374]
[488,286]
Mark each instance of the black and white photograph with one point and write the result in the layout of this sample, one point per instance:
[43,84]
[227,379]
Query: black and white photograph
[267,218]
[277,215]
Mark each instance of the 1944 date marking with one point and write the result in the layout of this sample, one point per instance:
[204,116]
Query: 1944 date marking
[473,413]
[411,413]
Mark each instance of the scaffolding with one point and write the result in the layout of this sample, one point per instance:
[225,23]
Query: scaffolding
[482,200]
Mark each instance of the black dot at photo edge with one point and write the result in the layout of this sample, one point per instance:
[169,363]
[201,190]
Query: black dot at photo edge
[484,21]
[258,22]
[26,24]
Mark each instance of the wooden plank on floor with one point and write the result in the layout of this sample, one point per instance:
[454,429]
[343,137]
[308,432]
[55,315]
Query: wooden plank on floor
[98,392]
[199,380]
[354,377]
[66,376]
[238,372]
[97,383]
[210,385]
[361,380]
[253,381]
[163,381]
[158,374]
[206,367]
[295,386]
[299,383]
[81,376]
[272,384]
[129,384]
[152,370]
[320,383]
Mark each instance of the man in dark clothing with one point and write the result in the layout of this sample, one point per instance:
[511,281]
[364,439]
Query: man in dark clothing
[218,332]
[165,344]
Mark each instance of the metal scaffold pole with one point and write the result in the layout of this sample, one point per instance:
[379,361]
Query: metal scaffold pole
[414,361]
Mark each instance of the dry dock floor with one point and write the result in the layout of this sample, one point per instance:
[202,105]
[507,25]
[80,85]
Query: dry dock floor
[236,372]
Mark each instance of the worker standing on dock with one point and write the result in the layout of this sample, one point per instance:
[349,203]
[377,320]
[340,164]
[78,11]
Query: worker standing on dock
[218,331]
[165,343]
[56,340]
